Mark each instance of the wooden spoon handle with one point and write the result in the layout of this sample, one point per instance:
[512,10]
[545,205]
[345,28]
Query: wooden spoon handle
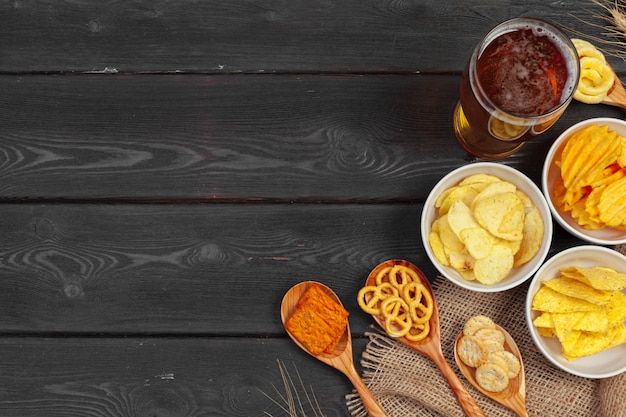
[463,396]
[617,94]
[373,408]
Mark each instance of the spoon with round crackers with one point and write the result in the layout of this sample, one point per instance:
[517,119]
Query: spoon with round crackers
[490,360]
[425,338]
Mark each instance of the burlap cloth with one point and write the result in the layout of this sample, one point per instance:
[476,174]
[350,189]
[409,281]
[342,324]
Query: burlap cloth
[407,383]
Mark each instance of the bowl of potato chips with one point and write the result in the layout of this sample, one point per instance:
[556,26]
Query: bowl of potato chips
[486,227]
[584,180]
[576,311]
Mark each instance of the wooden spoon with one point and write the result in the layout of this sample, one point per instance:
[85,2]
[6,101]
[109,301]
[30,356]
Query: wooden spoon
[341,358]
[514,396]
[616,95]
[431,345]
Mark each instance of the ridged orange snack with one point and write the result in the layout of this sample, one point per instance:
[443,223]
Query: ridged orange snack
[318,322]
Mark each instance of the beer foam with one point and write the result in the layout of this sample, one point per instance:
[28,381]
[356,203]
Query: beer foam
[521,84]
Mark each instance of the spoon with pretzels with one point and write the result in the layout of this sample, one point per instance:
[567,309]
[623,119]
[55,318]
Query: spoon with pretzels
[340,357]
[380,297]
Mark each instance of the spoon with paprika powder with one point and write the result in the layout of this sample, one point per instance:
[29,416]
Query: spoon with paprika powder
[308,333]
[430,346]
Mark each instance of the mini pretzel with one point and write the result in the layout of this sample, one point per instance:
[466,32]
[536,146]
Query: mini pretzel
[382,275]
[370,296]
[419,300]
[401,275]
[422,331]
[405,304]
[397,318]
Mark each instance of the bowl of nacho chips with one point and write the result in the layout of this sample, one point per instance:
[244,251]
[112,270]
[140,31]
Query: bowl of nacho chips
[486,227]
[576,311]
[584,180]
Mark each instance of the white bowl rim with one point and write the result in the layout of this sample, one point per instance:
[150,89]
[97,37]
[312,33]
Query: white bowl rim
[570,226]
[589,249]
[507,283]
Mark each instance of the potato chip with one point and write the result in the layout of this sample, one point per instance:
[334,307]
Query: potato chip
[577,165]
[449,238]
[495,267]
[513,245]
[460,217]
[464,193]
[461,261]
[478,241]
[468,275]
[480,179]
[592,184]
[533,231]
[612,205]
[501,214]
[495,188]
[437,247]
[621,159]
[477,214]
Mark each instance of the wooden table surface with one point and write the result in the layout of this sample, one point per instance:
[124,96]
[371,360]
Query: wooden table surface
[168,169]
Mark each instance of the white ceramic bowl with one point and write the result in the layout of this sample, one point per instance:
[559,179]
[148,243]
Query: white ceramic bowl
[522,182]
[551,173]
[601,365]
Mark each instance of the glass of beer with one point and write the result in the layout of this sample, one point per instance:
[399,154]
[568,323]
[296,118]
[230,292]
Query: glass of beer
[517,83]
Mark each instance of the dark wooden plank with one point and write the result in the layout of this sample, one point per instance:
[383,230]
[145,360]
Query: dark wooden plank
[216,269]
[158,377]
[258,37]
[348,138]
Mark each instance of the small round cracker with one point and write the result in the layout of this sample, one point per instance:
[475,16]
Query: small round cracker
[498,359]
[513,365]
[473,324]
[471,351]
[488,333]
[492,377]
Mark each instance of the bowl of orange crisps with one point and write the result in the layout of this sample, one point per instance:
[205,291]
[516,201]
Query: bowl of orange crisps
[584,180]
[486,227]
[576,311]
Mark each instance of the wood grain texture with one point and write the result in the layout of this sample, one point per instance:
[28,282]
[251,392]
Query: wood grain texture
[242,137]
[169,169]
[255,36]
[156,377]
[213,269]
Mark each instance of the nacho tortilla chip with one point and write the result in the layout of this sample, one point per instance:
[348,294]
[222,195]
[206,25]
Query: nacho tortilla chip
[590,343]
[546,299]
[577,289]
[599,278]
